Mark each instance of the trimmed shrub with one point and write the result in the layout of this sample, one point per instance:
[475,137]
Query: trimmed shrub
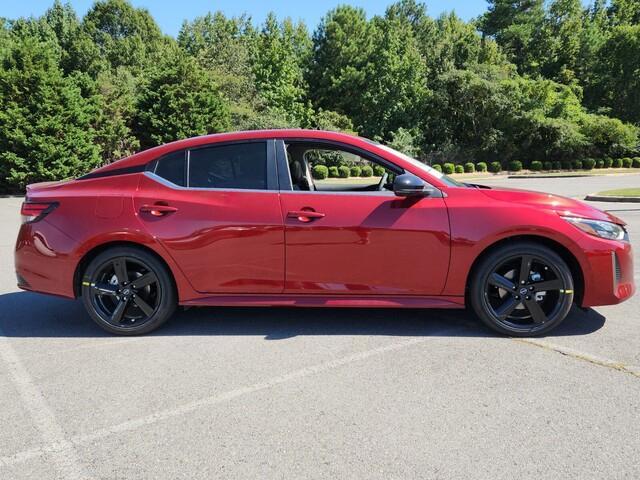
[367,171]
[567,165]
[600,164]
[608,162]
[547,166]
[536,166]
[617,163]
[636,162]
[556,165]
[481,167]
[459,169]
[320,172]
[495,167]
[355,171]
[469,167]
[437,167]
[448,168]
[333,172]
[378,170]
[627,162]
[515,165]
[343,171]
[577,164]
[588,163]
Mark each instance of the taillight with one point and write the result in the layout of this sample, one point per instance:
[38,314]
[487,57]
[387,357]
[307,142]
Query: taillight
[35,211]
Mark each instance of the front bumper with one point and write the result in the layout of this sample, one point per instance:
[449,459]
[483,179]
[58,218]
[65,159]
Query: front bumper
[608,273]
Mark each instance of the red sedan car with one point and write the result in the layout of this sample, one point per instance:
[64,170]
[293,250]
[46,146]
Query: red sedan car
[238,219]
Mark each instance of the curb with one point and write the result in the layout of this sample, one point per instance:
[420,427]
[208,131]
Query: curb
[606,198]
[11,196]
[575,175]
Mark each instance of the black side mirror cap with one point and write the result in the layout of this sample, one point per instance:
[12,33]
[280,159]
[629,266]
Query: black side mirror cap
[408,185]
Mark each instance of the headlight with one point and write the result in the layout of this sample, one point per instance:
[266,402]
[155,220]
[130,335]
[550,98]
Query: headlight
[599,228]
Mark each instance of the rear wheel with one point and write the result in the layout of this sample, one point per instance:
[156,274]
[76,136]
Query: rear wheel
[523,289]
[128,291]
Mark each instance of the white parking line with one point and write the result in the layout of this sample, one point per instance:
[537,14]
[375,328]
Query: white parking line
[63,454]
[57,444]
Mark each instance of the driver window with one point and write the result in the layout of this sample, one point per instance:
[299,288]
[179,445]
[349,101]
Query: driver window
[316,167]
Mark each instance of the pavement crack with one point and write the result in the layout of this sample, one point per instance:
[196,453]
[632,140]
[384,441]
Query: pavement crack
[583,356]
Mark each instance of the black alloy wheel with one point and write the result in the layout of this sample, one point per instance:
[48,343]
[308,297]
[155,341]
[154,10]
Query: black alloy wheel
[524,289]
[128,291]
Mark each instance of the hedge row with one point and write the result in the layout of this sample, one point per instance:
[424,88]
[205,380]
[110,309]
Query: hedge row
[320,172]
[536,166]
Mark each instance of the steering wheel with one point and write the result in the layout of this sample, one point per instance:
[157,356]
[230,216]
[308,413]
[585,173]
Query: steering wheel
[383,182]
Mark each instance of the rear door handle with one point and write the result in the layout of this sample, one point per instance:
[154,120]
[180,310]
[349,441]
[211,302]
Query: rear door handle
[305,216]
[158,210]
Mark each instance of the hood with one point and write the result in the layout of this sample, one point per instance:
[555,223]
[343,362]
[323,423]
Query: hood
[562,205]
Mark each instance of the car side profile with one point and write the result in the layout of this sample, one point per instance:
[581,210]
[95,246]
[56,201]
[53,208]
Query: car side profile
[238,219]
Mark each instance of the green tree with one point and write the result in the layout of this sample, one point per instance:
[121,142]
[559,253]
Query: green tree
[46,125]
[124,35]
[280,55]
[178,99]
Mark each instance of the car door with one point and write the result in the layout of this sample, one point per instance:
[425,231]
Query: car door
[363,242]
[216,210]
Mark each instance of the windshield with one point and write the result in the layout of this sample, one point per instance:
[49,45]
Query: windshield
[423,166]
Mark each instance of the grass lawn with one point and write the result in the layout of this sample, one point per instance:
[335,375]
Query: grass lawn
[621,192]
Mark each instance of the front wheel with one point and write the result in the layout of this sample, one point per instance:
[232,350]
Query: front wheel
[521,290]
[128,291]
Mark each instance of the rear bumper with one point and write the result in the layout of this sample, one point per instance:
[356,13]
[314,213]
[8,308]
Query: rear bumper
[609,274]
[44,261]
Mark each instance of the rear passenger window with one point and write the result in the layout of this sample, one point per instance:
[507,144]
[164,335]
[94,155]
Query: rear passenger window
[172,168]
[242,166]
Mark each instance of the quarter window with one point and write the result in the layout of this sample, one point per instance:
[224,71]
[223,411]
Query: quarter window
[242,166]
[171,167]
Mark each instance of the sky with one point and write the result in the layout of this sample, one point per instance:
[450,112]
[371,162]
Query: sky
[170,14]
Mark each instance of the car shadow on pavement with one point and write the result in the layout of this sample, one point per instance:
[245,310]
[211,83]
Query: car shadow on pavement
[24,314]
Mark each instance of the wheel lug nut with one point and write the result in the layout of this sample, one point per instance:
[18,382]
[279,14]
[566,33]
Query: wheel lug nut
[517,297]
[531,288]
[522,282]
[528,297]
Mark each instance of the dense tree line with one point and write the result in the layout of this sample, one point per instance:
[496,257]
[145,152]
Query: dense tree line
[527,81]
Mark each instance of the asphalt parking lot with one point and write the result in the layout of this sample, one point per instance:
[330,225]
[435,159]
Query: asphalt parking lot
[284,393]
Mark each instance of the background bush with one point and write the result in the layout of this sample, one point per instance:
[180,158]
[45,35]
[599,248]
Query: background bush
[459,169]
[437,167]
[567,165]
[320,172]
[355,171]
[588,163]
[556,165]
[481,167]
[577,164]
[636,162]
[627,162]
[469,167]
[617,163]
[495,167]
[378,170]
[333,172]
[448,168]
[515,165]
[547,166]
[536,166]
[608,162]
[600,164]
[367,171]
[343,171]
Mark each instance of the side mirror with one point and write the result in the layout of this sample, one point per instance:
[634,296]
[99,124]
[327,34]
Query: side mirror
[408,185]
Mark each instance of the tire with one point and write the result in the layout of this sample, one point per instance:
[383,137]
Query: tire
[522,305]
[128,291]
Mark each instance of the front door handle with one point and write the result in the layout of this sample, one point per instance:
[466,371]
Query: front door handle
[158,210]
[305,216]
